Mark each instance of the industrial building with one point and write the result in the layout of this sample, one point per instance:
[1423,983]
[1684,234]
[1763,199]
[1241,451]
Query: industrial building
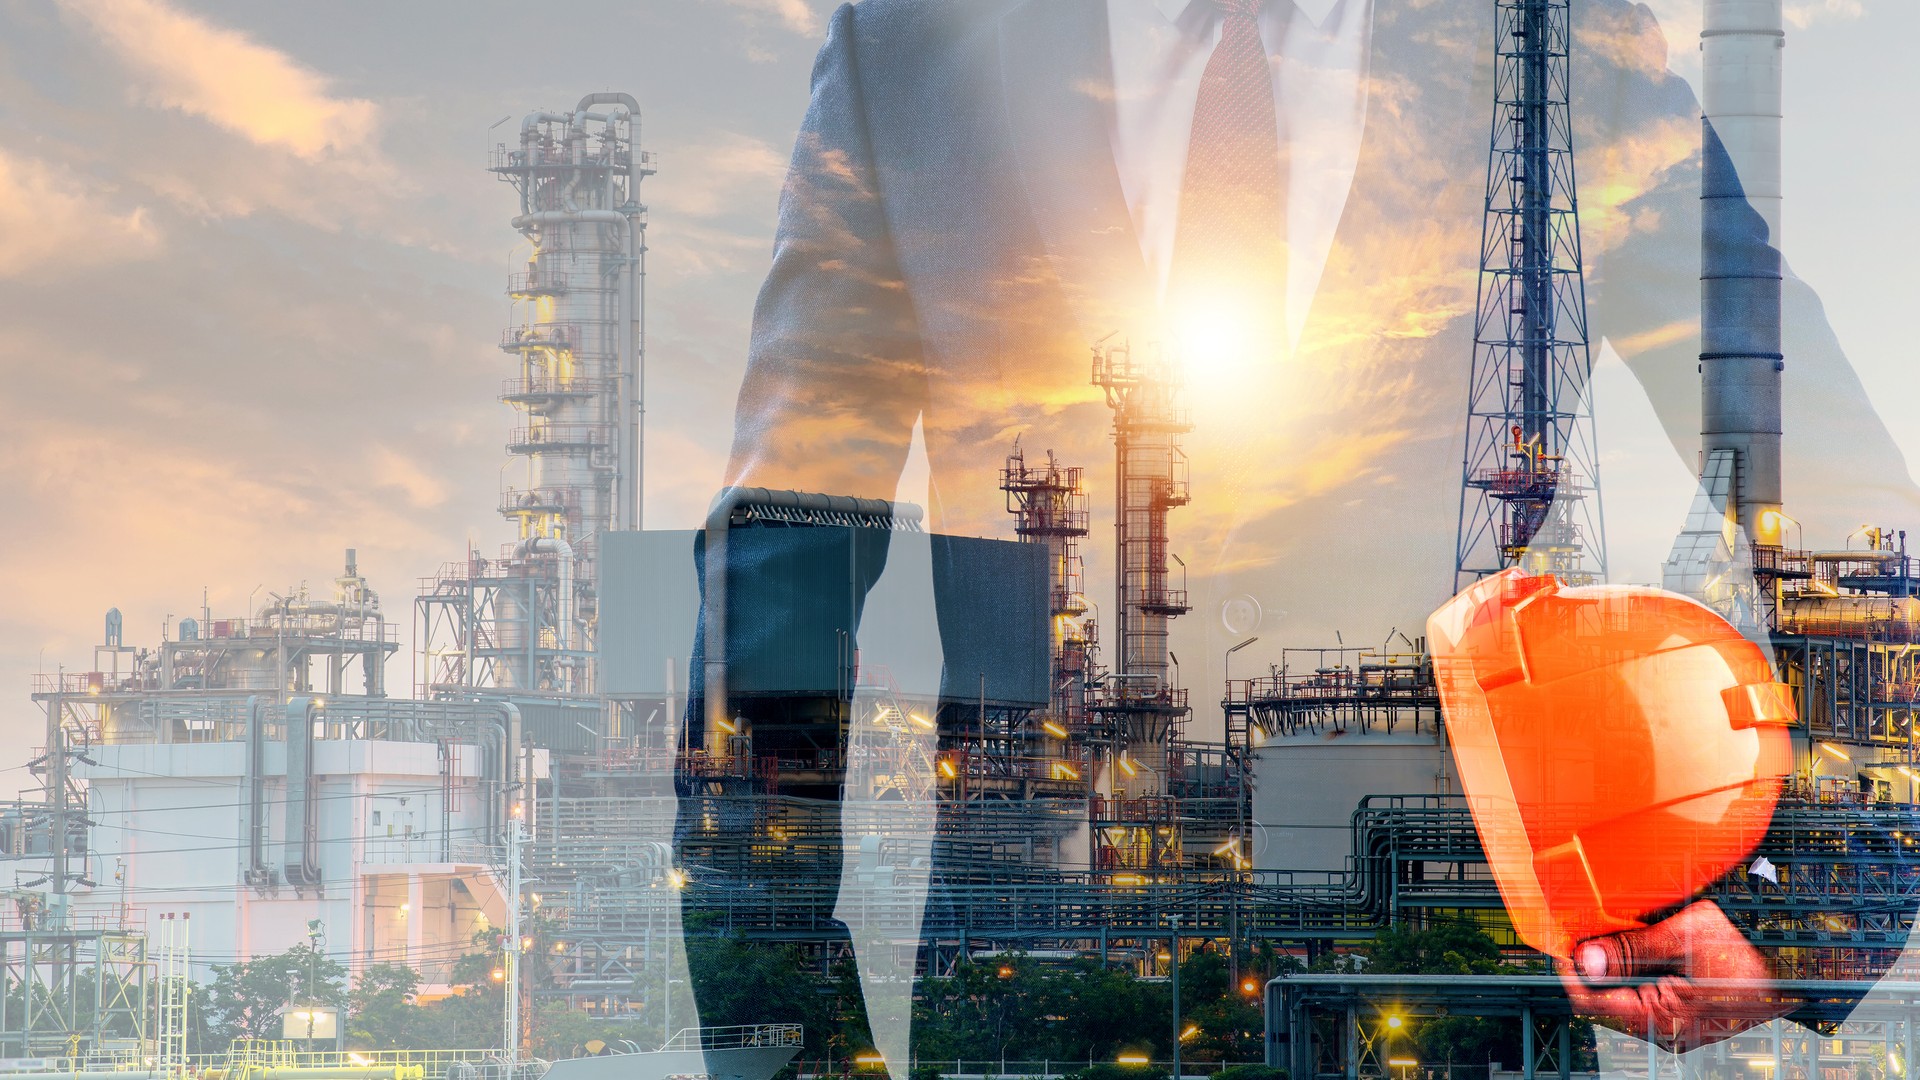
[1077,813]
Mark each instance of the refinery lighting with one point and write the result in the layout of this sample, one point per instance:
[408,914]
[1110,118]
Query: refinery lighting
[1053,729]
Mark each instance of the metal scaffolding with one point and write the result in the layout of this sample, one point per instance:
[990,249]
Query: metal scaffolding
[1049,505]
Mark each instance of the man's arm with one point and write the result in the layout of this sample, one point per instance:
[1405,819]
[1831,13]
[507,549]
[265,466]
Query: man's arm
[834,379]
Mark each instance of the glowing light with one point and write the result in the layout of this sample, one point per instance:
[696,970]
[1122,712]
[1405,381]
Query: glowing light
[1829,748]
[1053,729]
[1258,737]
[1063,771]
[1006,972]
[404,908]
[1396,1023]
[1249,987]
[920,720]
[499,974]
[1131,1059]
[676,878]
[869,1059]
[1192,1030]
[1127,766]
[1402,1062]
[1215,336]
[357,1059]
[947,770]
[728,726]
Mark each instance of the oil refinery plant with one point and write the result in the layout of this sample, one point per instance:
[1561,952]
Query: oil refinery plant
[1079,808]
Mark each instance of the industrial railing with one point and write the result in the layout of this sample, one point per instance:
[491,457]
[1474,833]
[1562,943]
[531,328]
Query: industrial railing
[735,1037]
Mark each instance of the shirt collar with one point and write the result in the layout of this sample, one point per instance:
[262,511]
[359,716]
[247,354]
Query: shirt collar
[1316,10]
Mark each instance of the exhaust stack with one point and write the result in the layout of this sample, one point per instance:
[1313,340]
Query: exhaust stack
[1740,275]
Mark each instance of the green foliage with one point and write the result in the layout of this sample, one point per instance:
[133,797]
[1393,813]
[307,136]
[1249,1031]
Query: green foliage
[1107,1071]
[246,999]
[382,1012]
[1448,949]
[1250,1072]
[748,983]
[1036,1012]
[560,1031]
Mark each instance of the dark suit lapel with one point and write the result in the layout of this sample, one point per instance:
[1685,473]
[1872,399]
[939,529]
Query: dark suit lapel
[1057,78]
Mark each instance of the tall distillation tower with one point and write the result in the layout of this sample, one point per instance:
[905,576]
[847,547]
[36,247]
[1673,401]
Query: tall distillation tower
[1049,504]
[528,619]
[1150,479]
[1529,488]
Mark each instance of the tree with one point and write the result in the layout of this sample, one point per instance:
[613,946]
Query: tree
[383,1013]
[247,999]
[1448,949]
[756,983]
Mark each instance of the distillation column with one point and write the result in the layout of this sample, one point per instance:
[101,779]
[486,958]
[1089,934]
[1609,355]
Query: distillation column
[579,345]
[1150,474]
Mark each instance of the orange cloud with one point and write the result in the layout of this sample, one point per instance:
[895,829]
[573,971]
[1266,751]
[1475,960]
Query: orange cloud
[225,77]
[49,219]
[795,15]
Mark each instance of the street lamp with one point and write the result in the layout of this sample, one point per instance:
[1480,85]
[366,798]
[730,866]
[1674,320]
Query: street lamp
[1173,921]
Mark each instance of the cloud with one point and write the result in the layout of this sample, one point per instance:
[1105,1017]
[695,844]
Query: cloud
[227,78]
[797,16]
[723,175]
[49,218]
[1804,13]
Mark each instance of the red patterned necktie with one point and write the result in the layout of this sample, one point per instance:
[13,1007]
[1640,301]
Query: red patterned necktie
[1229,248]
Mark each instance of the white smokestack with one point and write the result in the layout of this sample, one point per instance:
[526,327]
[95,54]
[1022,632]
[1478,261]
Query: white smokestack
[1740,344]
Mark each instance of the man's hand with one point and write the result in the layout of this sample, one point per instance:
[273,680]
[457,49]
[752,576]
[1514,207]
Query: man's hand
[1693,979]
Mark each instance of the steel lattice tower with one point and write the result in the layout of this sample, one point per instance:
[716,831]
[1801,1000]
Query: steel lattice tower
[1529,486]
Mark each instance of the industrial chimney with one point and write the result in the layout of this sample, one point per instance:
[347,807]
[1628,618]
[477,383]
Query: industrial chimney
[1740,343]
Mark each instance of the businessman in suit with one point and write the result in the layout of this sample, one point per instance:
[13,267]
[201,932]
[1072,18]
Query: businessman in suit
[1291,192]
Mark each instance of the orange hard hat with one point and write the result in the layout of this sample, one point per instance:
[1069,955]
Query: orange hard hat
[1620,747]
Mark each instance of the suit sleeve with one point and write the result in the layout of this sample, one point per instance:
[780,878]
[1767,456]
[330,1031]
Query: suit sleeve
[834,380]
[834,377]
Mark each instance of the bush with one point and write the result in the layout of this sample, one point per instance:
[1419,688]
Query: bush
[1250,1072]
[1104,1071]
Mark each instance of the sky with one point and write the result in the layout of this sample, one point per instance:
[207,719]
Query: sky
[251,272]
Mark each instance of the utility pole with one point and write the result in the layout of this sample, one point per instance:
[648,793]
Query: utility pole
[516,834]
[1174,954]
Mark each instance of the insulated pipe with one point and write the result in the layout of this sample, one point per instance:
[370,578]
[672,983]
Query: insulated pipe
[563,615]
[302,828]
[258,873]
[633,404]
[1741,361]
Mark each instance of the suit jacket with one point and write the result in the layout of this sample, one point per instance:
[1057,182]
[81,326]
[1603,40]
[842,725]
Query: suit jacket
[952,237]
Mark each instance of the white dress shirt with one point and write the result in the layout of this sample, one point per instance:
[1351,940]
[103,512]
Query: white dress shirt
[1319,51]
